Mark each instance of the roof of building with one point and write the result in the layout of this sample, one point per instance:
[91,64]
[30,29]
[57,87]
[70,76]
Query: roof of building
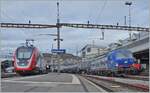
[63,56]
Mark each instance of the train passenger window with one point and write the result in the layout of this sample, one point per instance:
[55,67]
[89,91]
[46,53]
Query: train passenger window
[88,49]
[83,54]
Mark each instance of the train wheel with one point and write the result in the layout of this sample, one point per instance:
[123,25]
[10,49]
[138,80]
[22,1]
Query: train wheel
[134,72]
[112,74]
[40,71]
[21,74]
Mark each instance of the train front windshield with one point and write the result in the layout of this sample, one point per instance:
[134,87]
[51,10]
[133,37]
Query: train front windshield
[24,53]
[120,55]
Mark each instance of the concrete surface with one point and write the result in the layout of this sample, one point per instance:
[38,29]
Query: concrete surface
[52,82]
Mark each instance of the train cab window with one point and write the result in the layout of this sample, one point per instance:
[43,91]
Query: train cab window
[123,55]
[88,49]
[24,53]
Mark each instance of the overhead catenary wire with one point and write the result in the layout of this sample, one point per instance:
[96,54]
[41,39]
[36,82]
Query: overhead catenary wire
[101,11]
[11,19]
[99,18]
[96,19]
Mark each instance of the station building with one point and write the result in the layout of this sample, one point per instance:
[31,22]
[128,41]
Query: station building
[90,51]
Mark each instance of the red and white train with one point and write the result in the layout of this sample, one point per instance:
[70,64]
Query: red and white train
[28,60]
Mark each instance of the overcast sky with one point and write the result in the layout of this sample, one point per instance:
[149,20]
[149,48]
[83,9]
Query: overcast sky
[71,11]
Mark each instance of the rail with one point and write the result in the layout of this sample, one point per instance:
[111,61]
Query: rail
[115,85]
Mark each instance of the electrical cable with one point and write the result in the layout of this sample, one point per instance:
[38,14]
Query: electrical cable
[10,18]
[101,11]
[99,16]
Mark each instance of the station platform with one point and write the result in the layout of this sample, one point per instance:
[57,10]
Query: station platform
[6,75]
[52,82]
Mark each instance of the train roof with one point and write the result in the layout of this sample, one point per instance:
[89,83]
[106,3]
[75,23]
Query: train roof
[110,52]
[26,47]
[92,46]
[119,50]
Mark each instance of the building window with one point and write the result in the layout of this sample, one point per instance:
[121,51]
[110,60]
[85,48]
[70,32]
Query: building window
[88,49]
[83,54]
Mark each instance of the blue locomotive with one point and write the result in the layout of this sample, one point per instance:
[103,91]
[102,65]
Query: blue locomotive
[114,63]
[120,59]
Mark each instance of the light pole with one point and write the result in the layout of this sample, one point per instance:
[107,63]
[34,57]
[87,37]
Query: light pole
[129,4]
[58,28]
[58,36]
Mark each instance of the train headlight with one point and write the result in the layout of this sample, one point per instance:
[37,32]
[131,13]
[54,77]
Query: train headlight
[116,65]
[37,65]
[126,62]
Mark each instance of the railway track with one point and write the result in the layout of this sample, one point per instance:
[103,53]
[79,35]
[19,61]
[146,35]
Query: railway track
[144,78]
[8,75]
[114,86]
